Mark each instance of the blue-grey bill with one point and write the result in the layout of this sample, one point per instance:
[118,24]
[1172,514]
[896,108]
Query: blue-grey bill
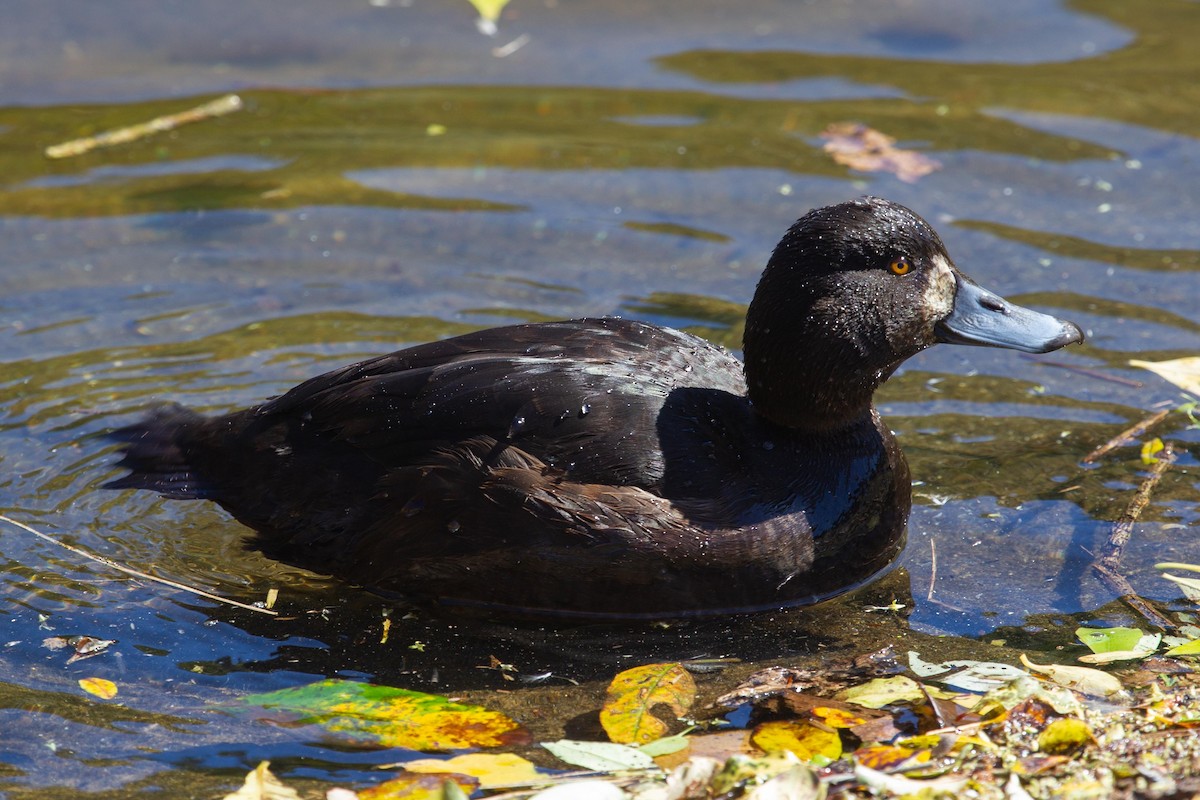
[986,319]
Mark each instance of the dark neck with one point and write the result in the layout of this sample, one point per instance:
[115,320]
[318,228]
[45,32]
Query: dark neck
[800,376]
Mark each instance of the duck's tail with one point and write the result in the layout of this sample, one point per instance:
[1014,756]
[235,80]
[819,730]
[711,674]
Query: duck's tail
[156,454]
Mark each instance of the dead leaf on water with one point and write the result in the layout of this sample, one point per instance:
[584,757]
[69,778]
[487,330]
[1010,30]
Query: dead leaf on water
[261,784]
[492,769]
[85,646]
[797,737]
[627,716]
[599,756]
[880,692]
[1183,372]
[1079,679]
[419,786]
[1064,735]
[100,687]
[860,147]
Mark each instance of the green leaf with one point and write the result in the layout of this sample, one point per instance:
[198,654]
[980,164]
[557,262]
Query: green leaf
[599,756]
[664,746]
[1104,640]
[369,715]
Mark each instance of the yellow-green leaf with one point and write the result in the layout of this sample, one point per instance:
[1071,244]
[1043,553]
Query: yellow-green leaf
[633,693]
[418,786]
[879,692]
[362,713]
[1104,640]
[1183,372]
[1191,648]
[498,769]
[665,746]
[489,14]
[1064,735]
[1150,449]
[797,737]
[100,687]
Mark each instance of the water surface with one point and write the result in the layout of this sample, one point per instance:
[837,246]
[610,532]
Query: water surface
[395,177]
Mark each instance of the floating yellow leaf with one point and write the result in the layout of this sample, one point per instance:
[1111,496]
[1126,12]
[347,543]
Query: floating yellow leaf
[837,717]
[1064,735]
[626,714]
[261,784]
[104,689]
[491,769]
[797,737]
[1183,372]
[363,713]
[419,786]
[1150,449]
[489,14]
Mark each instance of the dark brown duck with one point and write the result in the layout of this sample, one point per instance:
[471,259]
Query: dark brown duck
[607,466]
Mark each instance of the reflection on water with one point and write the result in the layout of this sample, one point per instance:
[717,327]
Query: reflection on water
[431,188]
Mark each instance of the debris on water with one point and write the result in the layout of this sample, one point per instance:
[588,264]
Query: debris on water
[860,147]
[1126,436]
[85,646]
[77,147]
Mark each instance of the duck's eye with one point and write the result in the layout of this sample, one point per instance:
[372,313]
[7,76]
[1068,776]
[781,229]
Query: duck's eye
[900,266]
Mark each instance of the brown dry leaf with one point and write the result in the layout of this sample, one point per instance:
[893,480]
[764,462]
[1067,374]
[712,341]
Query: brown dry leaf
[721,745]
[85,646]
[860,147]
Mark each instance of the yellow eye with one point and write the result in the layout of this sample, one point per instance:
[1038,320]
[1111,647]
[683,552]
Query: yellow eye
[901,266]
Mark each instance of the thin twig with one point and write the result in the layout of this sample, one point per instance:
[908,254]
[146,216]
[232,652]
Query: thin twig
[214,108]
[932,568]
[933,581]
[136,573]
[1126,436]
[1091,373]
[1118,537]
[1106,566]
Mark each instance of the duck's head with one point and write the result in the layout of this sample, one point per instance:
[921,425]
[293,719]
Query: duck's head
[853,290]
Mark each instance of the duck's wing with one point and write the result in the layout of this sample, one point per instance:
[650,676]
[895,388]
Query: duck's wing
[582,396]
